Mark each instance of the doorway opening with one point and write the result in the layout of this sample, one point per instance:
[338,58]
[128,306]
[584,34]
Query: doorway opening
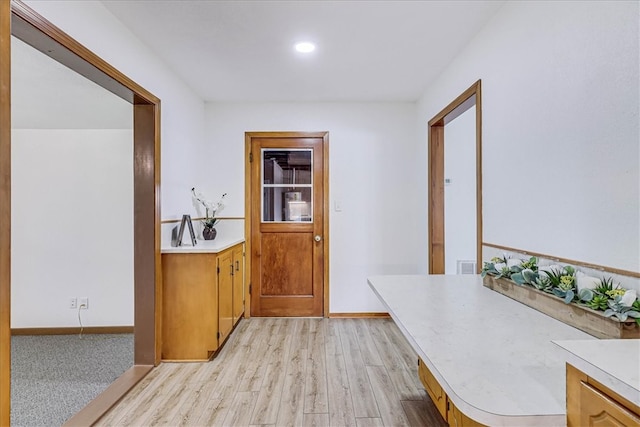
[436,204]
[19,20]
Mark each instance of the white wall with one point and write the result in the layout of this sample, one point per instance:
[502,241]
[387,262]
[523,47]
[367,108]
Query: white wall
[182,128]
[460,194]
[560,94]
[182,132]
[374,172]
[72,226]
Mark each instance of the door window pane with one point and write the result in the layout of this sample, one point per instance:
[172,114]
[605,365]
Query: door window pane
[287,185]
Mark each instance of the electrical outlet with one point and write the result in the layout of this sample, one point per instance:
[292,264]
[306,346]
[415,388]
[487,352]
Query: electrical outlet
[73,303]
[83,302]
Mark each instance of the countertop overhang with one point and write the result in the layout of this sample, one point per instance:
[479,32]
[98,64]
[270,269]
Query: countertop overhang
[493,356]
[202,246]
[615,363]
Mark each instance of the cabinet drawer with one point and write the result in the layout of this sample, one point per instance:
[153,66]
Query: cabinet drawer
[598,409]
[432,387]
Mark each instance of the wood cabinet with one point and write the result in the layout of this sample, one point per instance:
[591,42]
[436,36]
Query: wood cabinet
[225,294]
[450,413]
[200,303]
[590,403]
[238,283]
[433,388]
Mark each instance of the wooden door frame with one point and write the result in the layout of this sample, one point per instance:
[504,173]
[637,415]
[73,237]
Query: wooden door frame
[470,97]
[19,20]
[248,137]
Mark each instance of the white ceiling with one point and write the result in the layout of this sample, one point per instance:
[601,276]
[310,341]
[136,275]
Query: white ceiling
[366,50]
[243,51]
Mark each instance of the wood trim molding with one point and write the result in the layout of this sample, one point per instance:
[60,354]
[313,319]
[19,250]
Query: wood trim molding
[221,218]
[73,330]
[436,199]
[5,212]
[565,260]
[146,248]
[151,310]
[325,227]
[436,140]
[99,406]
[58,45]
[358,315]
[247,225]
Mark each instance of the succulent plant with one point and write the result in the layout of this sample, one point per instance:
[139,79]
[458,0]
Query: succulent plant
[531,264]
[561,281]
[617,292]
[526,276]
[621,312]
[542,283]
[598,302]
[606,285]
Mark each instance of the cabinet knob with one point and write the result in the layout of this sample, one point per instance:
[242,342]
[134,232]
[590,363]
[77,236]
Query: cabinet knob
[317,238]
[237,265]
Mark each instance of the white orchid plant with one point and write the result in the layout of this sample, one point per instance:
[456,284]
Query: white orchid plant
[211,208]
[569,284]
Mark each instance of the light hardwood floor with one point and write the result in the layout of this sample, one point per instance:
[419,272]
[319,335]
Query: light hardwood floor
[289,372]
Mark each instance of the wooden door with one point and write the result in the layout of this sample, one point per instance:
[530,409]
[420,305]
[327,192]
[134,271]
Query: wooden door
[287,223]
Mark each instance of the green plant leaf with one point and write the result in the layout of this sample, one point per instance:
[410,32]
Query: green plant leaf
[518,278]
[529,275]
[585,295]
[569,297]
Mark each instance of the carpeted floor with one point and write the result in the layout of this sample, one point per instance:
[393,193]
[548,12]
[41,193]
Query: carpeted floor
[54,376]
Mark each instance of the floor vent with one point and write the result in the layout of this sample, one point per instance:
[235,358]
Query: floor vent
[466,267]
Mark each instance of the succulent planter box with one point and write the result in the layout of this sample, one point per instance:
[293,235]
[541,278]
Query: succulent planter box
[590,321]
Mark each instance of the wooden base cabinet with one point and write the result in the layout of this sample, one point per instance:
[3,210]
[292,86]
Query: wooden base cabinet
[199,302]
[589,403]
[433,388]
[450,413]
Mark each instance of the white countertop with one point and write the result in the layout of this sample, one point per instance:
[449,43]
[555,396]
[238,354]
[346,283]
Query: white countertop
[203,246]
[492,355]
[614,363]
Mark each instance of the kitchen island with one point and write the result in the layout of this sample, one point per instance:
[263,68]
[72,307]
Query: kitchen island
[493,357]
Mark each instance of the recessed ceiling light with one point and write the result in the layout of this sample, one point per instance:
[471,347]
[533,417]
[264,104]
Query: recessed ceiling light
[305,47]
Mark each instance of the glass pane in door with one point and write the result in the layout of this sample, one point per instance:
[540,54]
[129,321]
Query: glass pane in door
[287,185]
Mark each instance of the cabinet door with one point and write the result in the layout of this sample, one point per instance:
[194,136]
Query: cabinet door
[189,306]
[433,389]
[598,409]
[455,418]
[238,283]
[225,295]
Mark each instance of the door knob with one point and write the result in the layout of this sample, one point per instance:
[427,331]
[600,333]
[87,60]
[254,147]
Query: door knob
[317,238]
